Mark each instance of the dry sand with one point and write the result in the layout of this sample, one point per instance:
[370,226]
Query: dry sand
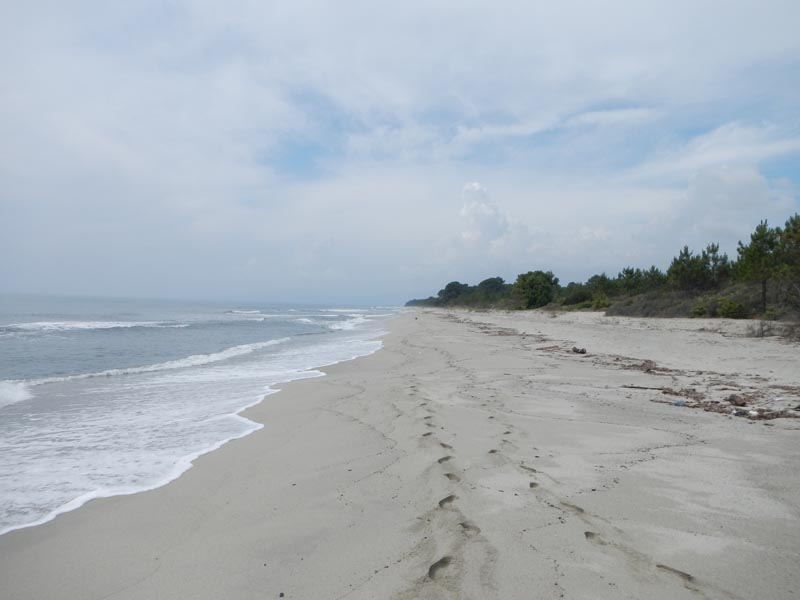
[475,456]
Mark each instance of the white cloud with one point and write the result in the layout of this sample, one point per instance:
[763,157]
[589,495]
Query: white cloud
[721,202]
[627,116]
[732,144]
[483,221]
[466,135]
[593,234]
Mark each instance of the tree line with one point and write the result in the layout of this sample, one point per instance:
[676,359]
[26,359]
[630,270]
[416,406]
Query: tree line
[763,277]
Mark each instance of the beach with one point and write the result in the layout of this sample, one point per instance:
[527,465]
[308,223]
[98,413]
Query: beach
[476,455]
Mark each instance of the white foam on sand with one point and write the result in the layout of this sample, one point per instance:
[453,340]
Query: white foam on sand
[183,464]
[131,434]
[14,391]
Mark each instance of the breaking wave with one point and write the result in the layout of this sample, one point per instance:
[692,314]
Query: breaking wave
[190,361]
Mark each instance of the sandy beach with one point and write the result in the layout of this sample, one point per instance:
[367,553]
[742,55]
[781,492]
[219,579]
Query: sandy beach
[475,456]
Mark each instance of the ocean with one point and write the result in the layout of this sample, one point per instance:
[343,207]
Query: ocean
[102,397]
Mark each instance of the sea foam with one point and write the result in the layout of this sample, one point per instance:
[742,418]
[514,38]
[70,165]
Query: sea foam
[56,326]
[195,360]
[111,431]
[350,324]
[14,391]
[137,436]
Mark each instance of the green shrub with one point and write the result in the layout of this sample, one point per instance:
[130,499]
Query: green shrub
[600,302]
[535,289]
[699,310]
[730,309]
[576,296]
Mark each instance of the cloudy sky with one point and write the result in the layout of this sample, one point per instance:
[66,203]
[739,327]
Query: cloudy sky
[372,151]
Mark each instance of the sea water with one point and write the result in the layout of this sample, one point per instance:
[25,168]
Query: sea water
[102,397]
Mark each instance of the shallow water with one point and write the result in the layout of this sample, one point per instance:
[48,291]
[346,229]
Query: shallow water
[105,397]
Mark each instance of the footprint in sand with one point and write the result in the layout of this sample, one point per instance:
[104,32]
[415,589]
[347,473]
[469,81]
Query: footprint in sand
[594,538]
[452,477]
[672,571]
[533,484]
[493,451]
[428,417]
[469,528]
[427,434]
[444,459]
[445,446]
[440,564]
[444,502]
[573,507]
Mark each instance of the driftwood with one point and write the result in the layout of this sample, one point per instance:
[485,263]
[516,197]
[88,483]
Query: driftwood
[643,387]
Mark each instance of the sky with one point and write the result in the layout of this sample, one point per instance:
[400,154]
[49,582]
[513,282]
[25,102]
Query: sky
[370,152]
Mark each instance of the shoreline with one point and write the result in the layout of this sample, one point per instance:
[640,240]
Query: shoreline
[186,462]
[473,456]
[76,542]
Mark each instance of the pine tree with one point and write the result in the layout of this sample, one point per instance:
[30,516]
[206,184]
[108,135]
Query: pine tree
[789,254]
[759,260]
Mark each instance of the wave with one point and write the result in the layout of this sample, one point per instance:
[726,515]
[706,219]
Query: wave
[349,324]
[84,325]
[256,315]
[14,391]
[194,360]
[183,464]
[134,472]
